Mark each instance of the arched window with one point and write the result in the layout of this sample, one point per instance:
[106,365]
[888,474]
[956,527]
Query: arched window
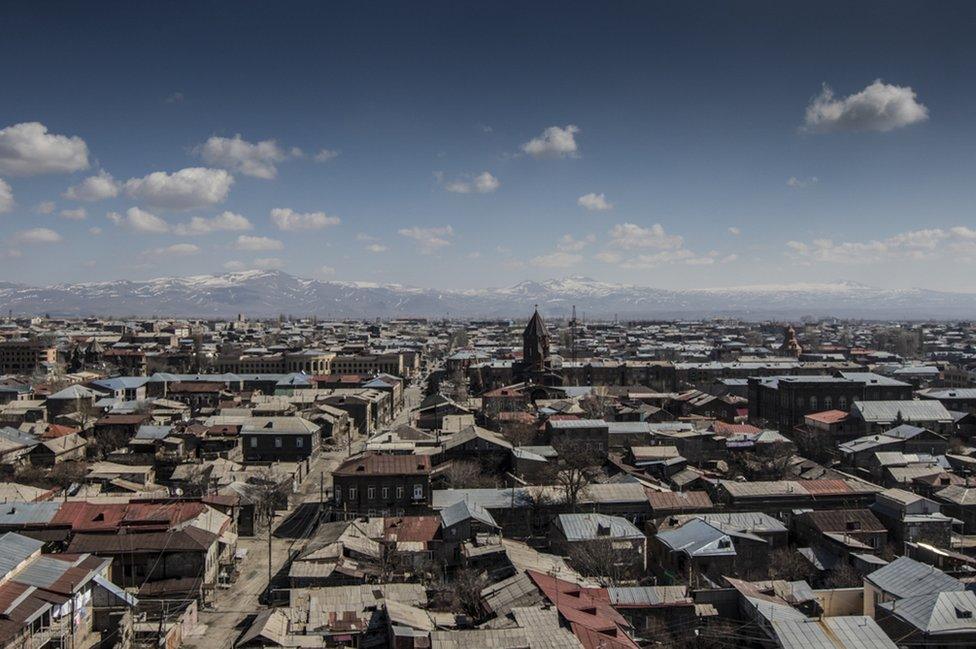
[828,403]
[813,403]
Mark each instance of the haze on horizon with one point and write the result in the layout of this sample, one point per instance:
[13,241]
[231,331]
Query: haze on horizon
[672,145]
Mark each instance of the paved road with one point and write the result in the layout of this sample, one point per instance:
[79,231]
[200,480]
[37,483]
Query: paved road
[219,626]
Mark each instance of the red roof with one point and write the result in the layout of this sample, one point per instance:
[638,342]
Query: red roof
[825,487]
[411,528]
[678,500]
[594,622]
[57,430]
[110,517]
[735,429]
[828,416]
[375,464]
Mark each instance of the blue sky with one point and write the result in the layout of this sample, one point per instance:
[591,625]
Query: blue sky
[479,144]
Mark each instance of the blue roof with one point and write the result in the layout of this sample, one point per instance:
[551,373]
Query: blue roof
[122,382]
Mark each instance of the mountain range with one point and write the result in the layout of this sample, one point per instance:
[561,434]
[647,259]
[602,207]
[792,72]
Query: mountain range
[260,294]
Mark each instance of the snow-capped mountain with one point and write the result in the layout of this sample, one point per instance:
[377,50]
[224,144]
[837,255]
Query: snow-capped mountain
[268,293]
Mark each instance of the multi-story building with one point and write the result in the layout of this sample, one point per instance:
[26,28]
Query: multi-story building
[25,356]
[382,484]
[370,364]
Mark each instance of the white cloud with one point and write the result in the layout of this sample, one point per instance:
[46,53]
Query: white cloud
[223,222]
[268,263]
[567,243]
[36,235]
[79,214]
[176,250]
[94,230]
[429,239]
[681,255]
[327,271]
[879,107]
[913,245]
[594,202]
[483,183]
[555,141]
[183,189]
[251,159]
[28,148]
[247,242]
[630,236]
[290,220]
[801,183]
[734,231]
[324,155]
[45,207]
[609,257]
[376,247]
[94,188]
[6,197]
[234,265]
[963,232]
[558,259]
[139,220]
[663,248]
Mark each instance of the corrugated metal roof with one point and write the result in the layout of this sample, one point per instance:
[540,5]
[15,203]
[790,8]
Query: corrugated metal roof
[905,577]
[15,549]
[842,632]
[924,410]
[585,527]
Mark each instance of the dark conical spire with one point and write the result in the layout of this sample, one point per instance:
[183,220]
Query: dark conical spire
[535,343]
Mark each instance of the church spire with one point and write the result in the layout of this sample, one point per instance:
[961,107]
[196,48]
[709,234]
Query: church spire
[535,343]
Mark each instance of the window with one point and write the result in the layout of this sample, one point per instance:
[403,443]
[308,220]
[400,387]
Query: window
[828,403]
[277,442]
[338,494]
[813,403]
[842,403]
[254,442]
[386,493]
[371,492]
[352,493]
[299,442]
[418,491]
[399,492]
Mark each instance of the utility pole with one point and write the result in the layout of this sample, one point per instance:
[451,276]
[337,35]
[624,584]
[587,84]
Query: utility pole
[321,495]
[270,523]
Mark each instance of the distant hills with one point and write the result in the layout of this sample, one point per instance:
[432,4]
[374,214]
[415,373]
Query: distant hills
[269,293]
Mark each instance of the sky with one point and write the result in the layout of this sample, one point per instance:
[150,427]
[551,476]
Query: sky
[477,144]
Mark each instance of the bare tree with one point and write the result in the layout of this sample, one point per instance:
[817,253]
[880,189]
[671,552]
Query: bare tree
[270,494]
[469,474]
[813,443]
[598,560]
[842,575]
[788,564]
[65,474]
[572,470]
[462,593]
[598,404]
[768,462]
[519,433]
[107,441]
